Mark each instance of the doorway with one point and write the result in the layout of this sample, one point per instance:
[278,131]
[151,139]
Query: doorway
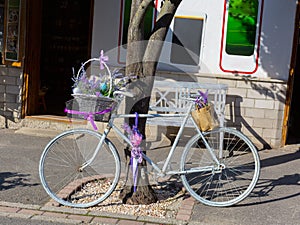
[66,43]
[293,134]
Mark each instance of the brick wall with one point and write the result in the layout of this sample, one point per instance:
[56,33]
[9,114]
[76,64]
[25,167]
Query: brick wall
[257,108]
[10,95]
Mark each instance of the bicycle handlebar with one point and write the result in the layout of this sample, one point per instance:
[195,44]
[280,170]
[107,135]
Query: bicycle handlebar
[124,93]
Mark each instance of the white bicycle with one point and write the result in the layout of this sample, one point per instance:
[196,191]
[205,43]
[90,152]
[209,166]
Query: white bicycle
[218,168]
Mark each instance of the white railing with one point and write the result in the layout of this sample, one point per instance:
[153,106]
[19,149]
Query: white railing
[171,97]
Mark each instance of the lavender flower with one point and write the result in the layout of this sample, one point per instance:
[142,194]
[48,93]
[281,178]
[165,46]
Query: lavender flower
[202,100]
[99,84]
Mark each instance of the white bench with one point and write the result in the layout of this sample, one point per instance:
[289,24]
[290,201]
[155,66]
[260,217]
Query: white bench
[170,97]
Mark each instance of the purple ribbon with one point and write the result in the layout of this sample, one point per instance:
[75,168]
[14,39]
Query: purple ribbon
[89,115]
[136,155]
[103,59]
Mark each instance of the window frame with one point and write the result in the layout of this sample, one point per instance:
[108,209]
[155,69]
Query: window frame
[240,64]
[16,62]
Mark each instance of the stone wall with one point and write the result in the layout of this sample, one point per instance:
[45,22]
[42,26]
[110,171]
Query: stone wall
[11,82]
[257,108]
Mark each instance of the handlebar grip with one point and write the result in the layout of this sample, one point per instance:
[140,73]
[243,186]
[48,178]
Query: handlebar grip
[124,93]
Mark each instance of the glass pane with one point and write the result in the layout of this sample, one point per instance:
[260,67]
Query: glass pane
[187,35]
[12,36]
[241,27]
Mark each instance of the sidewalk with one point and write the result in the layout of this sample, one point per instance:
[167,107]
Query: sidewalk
[275,200]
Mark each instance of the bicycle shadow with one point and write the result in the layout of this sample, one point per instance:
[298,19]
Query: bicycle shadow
[9,180]
[263,191]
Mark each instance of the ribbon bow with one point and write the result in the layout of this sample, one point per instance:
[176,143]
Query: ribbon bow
[103,59]
[88,115]
[136,151]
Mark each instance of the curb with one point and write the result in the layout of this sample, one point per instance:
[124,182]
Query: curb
[79,216]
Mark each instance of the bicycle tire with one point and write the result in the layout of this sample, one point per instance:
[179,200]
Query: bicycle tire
[230,184]
[67,184]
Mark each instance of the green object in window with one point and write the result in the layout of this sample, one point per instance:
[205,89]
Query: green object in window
[241,27]
[126,19]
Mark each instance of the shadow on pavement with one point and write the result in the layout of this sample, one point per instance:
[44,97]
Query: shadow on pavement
[286,185]
[9,180]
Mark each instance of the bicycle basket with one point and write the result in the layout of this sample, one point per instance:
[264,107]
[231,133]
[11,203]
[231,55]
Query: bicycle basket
[83,105]
[93,90]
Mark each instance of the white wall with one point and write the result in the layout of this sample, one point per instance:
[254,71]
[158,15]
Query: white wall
[276,36]
[105,26]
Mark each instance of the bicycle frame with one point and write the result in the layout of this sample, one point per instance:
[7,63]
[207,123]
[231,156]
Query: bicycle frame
[163,171]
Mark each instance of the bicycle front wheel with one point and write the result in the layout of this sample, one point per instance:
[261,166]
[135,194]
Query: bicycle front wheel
[73,175]
[228,182]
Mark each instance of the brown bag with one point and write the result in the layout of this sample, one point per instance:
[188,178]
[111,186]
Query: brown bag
[203,118]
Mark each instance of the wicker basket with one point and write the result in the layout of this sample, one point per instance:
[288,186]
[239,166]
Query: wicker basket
[83,105]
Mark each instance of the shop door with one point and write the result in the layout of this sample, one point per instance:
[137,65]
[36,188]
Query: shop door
[66,43]
[293,135]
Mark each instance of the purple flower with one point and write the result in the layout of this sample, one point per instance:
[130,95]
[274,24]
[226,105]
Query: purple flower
[136,139]
[202,99]
[94,85]
[204,96]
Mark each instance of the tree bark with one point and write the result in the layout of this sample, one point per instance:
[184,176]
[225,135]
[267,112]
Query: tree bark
[158,36]
[135,38]
[141,60]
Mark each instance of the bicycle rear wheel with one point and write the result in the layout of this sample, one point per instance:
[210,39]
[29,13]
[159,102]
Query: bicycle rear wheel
[66,180]
[231,181]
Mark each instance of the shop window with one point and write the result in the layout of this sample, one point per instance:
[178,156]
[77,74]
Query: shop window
[186,39]
[10,12]
[241,27]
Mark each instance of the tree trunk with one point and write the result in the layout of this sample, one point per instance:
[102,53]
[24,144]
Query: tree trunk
[158,36]
[135,44]
[142,61]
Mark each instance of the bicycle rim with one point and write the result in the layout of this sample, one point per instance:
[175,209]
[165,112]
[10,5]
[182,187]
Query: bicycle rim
[61,172]
[225,185]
